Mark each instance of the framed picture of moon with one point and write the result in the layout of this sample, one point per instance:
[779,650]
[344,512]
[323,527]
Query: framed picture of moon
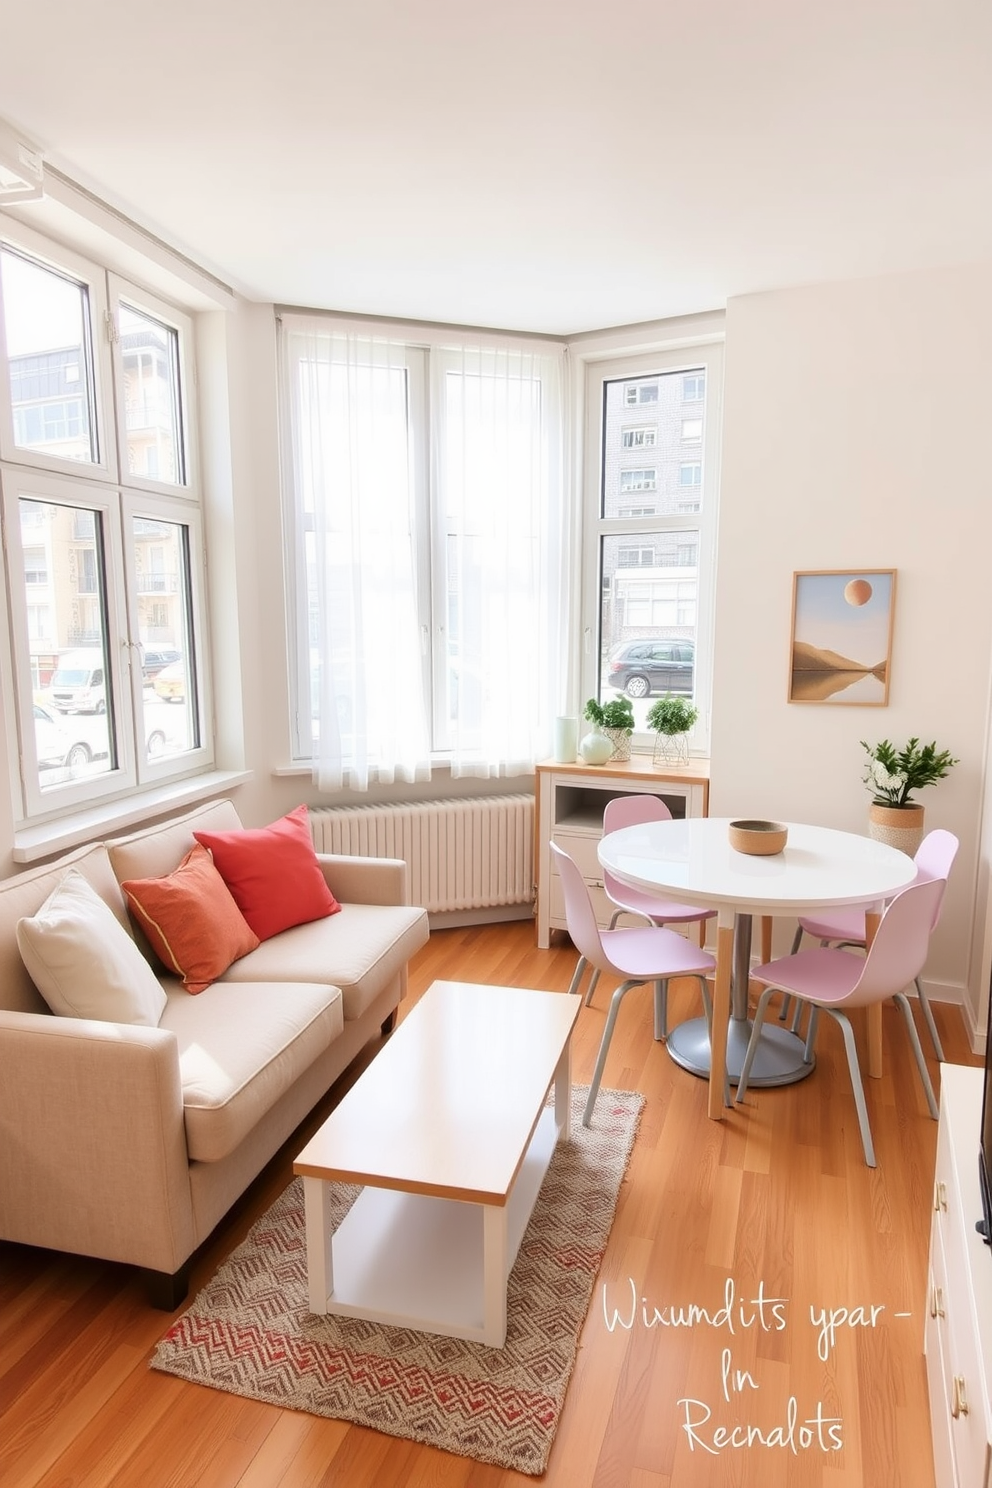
[842,636]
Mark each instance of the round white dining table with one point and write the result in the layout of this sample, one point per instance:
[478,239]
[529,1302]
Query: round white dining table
[693,862]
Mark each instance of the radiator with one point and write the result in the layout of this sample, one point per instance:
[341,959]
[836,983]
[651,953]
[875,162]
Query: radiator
[473,852]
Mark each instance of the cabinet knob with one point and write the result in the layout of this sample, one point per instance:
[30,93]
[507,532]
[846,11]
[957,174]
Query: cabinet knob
[959,1403]
[940,1196]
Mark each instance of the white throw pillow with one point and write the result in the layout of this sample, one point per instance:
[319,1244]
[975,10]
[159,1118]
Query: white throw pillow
[83,962]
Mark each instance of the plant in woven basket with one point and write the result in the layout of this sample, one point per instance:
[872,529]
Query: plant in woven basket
[616,714]
[616,719]
[891,774]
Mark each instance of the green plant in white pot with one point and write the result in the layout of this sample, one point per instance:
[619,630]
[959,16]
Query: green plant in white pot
[672,718]
[892,775]
[616,719]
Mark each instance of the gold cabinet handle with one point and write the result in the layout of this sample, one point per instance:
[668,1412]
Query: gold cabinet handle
[937,1302]
[940,1196]
[959,1403]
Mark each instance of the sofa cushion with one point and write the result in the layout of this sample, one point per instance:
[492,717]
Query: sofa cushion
[273,873]
[191,920]
[83,961]
[360,950]
[240,1048]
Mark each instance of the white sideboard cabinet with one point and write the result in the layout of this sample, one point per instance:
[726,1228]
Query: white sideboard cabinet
[570,804]
[958,1329]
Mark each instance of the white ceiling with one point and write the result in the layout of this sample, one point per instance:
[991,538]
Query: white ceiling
[546,165]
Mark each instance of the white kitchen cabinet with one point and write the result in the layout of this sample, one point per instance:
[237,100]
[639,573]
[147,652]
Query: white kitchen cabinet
[570,804]
[958,1328]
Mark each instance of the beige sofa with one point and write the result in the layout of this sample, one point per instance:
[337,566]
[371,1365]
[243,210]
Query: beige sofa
[130,1142]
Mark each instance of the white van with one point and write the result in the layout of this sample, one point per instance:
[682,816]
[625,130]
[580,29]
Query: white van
[78,683]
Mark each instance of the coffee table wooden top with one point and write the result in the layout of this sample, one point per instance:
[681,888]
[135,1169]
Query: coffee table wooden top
[449,1106]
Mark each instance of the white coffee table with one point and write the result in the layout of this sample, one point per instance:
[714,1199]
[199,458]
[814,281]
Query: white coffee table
[450,1132]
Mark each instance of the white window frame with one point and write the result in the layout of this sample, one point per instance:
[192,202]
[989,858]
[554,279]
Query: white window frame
[67,261]
[142,300]
[617,365]
[105,487]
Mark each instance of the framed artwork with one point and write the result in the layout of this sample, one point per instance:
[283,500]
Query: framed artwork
[842,636]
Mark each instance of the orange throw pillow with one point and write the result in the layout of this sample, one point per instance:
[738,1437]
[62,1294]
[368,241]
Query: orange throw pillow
[273,873]
[191,920]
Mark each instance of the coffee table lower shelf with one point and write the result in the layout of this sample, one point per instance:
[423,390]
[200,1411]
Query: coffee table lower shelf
[419,1261]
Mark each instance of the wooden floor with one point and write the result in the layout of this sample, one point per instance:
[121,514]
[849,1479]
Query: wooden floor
[770,1215]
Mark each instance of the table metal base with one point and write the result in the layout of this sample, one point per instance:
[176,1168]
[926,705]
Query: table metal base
[778,1060]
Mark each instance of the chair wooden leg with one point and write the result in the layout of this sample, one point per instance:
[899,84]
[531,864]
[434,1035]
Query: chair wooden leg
[604,1046]
[903,1001]
[857,1084]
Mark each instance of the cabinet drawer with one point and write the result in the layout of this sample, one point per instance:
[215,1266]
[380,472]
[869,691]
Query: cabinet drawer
[581,848]
[602,905]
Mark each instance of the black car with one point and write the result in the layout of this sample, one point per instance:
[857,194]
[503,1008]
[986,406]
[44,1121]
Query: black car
[152,662]
[640,668]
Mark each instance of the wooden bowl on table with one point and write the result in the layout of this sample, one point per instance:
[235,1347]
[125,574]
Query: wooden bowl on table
[758,838]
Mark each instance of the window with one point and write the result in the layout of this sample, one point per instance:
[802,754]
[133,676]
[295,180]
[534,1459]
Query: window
[102,545]
[638,480]
[423,491]
[631,556]
[641,438]
[640,392]
[692,431]
[648,576]
[693,387]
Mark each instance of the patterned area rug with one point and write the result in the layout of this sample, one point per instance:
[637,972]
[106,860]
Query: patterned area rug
[250,1331]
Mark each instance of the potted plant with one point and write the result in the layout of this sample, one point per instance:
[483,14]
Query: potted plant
[892,775]
[672,718]
[616,720]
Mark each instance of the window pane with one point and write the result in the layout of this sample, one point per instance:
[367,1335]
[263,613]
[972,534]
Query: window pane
[152,422]
[650,593]
[46,320]
[169,703]
[677,484]
[65,595]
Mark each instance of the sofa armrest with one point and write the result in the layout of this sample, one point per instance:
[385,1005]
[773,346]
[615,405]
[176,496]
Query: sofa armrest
[92,1143]
[355,880]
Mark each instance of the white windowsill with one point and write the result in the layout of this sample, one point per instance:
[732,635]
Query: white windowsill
[109,817]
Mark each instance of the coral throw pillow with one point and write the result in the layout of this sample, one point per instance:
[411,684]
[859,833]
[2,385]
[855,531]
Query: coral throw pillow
[191,920]
[273,873]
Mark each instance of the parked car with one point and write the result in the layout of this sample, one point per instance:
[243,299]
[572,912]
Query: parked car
[639,668]
[78,683]
[152,662]
[170,682]
[56,746]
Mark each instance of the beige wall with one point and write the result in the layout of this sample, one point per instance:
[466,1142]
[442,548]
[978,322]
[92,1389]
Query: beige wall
[855,437]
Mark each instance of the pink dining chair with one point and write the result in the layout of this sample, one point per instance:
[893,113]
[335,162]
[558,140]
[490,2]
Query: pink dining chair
[638,954]
[845,926]
[830,979]
[630,811]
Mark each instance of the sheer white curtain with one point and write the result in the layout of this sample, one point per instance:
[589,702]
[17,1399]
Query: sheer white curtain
[431,543]
[503,536]
[354,454]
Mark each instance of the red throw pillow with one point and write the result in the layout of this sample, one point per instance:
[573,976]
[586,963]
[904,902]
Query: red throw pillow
[273,873]
[191,920]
